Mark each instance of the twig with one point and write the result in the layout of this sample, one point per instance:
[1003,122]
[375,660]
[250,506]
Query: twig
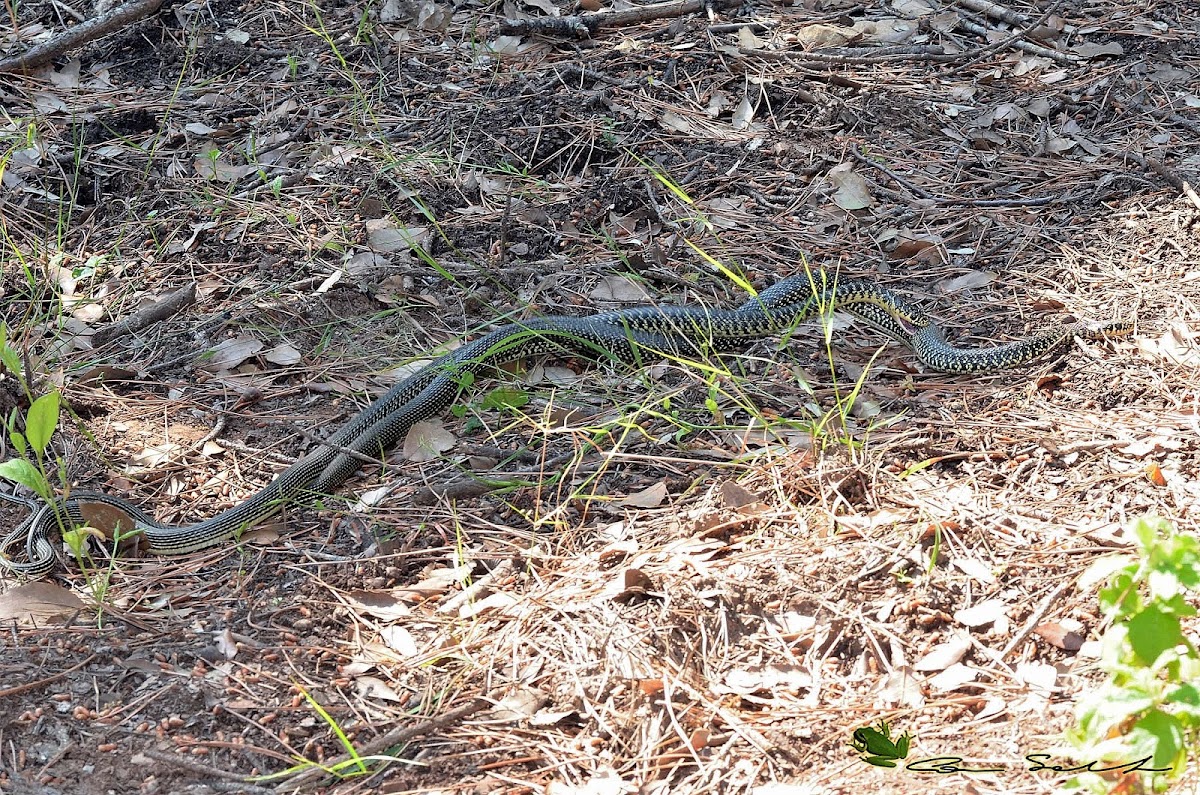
[978,55]
[588,25]
[380,744]
[855,55]
[366,459]
[1036,618]
[1158,167]
[917,189]
[1016,201]
[1024,46]
[204,769]
[120,17]
[17,690]
[990,9]
[159,310]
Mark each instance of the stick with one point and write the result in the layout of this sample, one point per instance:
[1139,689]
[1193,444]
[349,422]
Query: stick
[978,55]
[120,17]
[159,310]
[587,25]
[380,744]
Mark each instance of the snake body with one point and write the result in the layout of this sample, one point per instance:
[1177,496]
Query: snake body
[626,336]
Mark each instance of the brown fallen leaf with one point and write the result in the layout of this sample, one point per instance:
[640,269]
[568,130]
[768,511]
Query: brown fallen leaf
[649,497]
[734,495]
[427,440]
[634,584]
[1155,475]
[1057,635]
[381,604]
[39,603]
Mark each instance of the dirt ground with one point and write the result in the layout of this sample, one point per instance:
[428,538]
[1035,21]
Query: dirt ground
[592,579]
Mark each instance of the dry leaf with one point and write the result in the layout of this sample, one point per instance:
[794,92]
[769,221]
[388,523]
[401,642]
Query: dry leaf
[852,192]
[381,604]
[735,496]
[975,569]
[619,288]
[983,613]
[953,678]
[373,687]
[545,6]
[518,705]
[632,584]
[427,440]
[384,235]
[102,373]
[944,654]
[226,645]
[968,280]
[673,121]
[263,535]
[815,36]
[283,355]
[769,678]
[650,497]
[1056,634]
[39,603]
[438,581]
[230,353]
[1040,679]
[108,519]
[747,40]
[1155,475]
[156,454]
[493,601]
[743,115]
[606,781]
[399,638]
[902,688]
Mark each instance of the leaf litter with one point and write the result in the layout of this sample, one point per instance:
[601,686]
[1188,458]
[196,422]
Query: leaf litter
[784,584]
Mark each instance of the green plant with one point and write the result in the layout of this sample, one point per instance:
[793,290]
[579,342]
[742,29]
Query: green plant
[40,421]
[354,765]
[1149,707]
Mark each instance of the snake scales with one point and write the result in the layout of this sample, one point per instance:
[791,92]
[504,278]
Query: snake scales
[625,336]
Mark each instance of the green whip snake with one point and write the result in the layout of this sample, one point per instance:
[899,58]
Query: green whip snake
[626,336]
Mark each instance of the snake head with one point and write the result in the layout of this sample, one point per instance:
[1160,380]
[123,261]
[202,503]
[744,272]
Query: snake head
[912,320]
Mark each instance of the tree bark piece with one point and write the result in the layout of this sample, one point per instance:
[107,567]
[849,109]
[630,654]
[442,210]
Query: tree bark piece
[159,310]
[120,17]
[587,25]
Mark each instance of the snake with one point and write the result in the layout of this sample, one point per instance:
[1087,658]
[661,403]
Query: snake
[629,336]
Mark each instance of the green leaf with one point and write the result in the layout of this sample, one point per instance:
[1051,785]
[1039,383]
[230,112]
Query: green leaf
[1153,631]
[18,442]
[504,397]
[21,471]
[11,361]
[1102,569]
[1121,595]
[41,421]
[1163,738]
[1185,693]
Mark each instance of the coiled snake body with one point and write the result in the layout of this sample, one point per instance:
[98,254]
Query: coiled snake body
[627,336]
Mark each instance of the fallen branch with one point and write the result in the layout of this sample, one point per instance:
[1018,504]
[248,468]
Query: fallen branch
[586,26]
[975,56]
[855,55]
[120,17]
[159,310]
[990,9]
[1024,46]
